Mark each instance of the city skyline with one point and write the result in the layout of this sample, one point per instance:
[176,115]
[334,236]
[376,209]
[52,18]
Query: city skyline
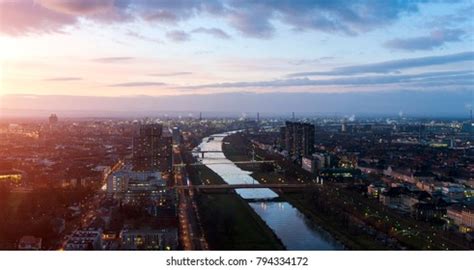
[111,55]
[227,183]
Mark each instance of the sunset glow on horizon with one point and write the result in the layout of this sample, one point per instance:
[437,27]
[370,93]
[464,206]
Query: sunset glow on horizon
[168,48]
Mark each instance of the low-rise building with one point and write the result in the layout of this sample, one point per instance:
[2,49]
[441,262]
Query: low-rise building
[321,160]
[454,213]
[136,186]
[402,175]
[427,211]
[87,239]
[453,192]
[374,190]
[468,218]
[391,198]
[463,217]
[151,239]
[410,199]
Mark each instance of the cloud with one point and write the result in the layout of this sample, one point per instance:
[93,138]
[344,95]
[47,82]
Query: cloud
[181,36]
[253,22]
[436,39]
[466,79]
[104,11]
[137,84]
[22,17]
[252,18]
[172,12]
[392,66]
[142,37]
[77,7]
[171,74]
[298,62]
[255,18]
[178,36]
[112,59]
[216,32]
[64,79]
[162,16]
[457,18]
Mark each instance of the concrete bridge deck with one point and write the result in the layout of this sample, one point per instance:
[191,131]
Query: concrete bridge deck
[246,186]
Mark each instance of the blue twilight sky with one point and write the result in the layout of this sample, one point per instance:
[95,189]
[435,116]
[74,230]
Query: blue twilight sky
[301,49]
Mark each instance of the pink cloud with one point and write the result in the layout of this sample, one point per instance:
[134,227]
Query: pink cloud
[19,17]
[45,16]
[78,7]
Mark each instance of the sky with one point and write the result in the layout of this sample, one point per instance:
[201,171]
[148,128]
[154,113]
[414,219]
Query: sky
[197,53]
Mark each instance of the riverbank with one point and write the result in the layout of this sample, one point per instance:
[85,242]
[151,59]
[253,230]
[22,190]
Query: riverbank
[339,231]
[229,222]
[236,148]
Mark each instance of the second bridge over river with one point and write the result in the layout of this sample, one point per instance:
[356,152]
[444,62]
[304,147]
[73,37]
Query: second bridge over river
[246,186]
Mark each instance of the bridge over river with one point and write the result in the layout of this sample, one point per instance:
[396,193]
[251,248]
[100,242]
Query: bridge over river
[245,186]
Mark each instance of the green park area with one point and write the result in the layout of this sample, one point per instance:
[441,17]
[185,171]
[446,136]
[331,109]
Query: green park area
[229,222]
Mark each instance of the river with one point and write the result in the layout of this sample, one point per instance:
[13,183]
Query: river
[287,222]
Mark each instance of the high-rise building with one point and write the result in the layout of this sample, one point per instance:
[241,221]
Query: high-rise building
[282,137]
[53,119]
[177,138]
[468,127]
[298,138]
[152,151]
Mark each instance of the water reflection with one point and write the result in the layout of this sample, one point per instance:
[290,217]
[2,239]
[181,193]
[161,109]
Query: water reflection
[287,222]
[292,227]
[229,171]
